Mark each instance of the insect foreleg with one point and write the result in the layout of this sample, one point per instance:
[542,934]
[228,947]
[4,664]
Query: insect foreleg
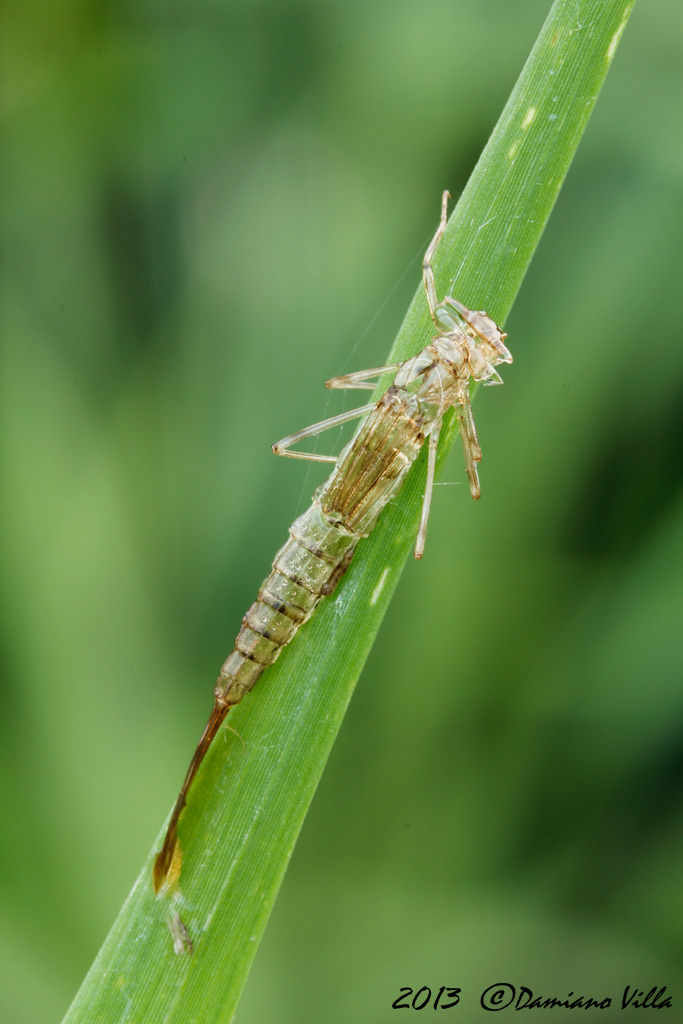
[282,447]
[427,269]
[361,378]
[429,487]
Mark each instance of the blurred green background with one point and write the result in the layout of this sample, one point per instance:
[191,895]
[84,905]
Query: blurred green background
[207,210]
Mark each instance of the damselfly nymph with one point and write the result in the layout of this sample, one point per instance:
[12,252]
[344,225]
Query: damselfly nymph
[367,474]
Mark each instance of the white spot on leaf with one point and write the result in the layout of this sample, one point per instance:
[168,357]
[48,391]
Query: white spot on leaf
[530,115]
[379,588]
[614,41]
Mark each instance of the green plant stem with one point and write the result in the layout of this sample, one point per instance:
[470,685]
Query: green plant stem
[249,801]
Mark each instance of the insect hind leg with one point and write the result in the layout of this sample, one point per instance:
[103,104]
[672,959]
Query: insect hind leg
[361,379]
[282,447]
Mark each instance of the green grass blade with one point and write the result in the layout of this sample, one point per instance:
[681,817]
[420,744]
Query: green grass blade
[249,801]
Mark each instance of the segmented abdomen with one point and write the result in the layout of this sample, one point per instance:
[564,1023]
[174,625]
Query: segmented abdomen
[368,474]
[371,469]
[308,567]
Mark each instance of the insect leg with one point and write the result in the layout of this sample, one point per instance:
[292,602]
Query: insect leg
[429,487]
[281,447]
[427,269]
[360,379]
[470,441]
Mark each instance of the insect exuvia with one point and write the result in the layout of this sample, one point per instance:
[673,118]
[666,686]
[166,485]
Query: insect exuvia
[367,474]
